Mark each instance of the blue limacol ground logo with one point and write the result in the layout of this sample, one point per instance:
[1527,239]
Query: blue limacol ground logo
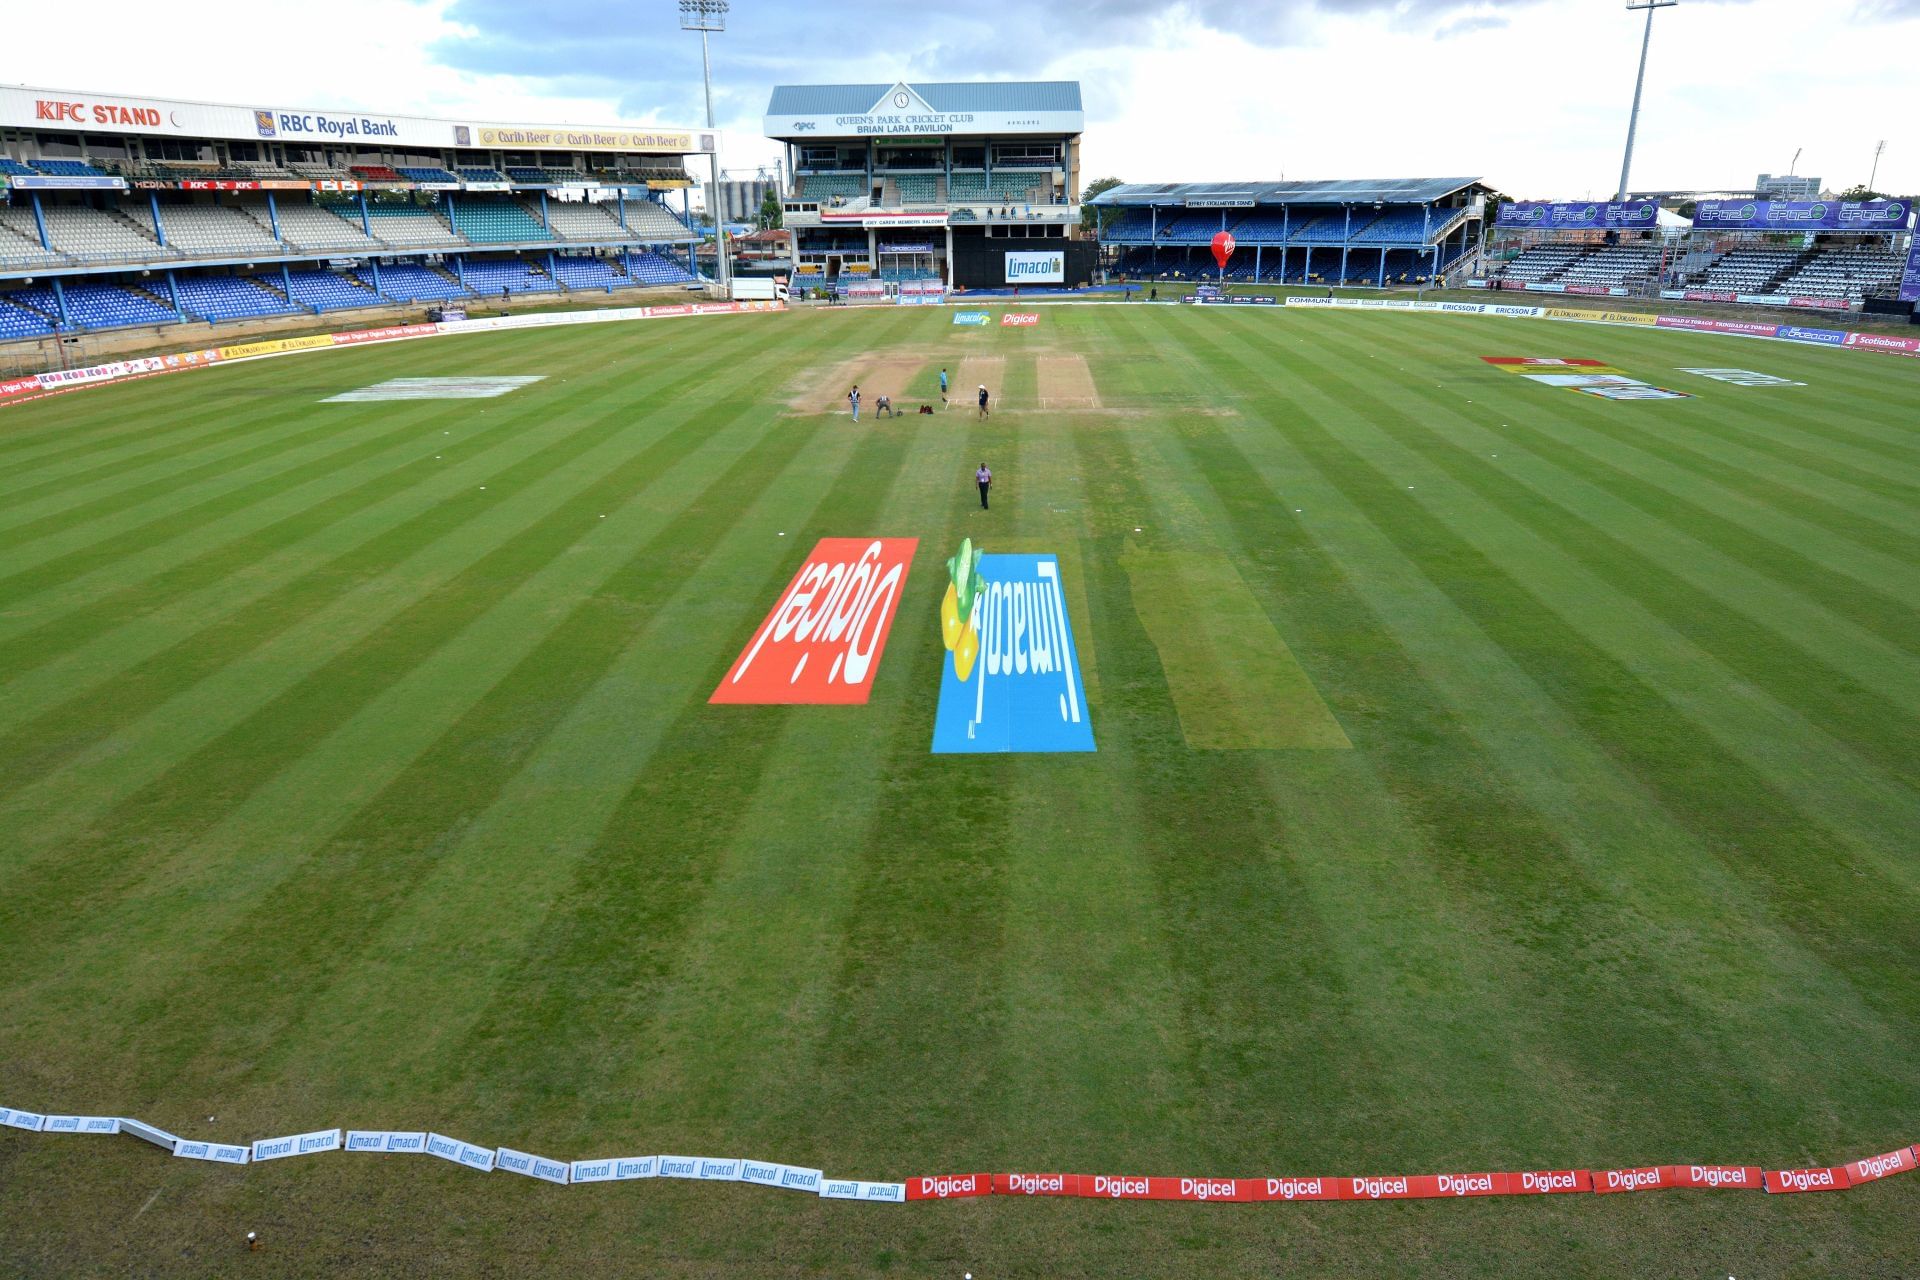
[1010,678]
[970,317]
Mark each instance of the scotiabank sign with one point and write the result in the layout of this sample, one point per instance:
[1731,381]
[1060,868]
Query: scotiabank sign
[823,639]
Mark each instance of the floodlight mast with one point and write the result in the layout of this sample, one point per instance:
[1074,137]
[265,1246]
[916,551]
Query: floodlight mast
[1633,121]
[706,17]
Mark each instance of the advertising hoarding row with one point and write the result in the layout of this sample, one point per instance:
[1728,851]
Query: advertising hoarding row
[1803,215]
[966,1186]
[1584,216]
[70,111]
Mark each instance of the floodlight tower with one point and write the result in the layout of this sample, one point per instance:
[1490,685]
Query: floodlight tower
[707,17]
[1633,121]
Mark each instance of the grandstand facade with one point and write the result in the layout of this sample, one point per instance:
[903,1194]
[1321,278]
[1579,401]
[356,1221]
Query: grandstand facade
[1365,232]
[903,188]
[123,211]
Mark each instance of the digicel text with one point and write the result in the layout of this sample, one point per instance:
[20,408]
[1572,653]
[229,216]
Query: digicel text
[822,640]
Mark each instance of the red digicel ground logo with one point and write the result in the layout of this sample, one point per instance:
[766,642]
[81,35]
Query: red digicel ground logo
[1014,318]
[823,640]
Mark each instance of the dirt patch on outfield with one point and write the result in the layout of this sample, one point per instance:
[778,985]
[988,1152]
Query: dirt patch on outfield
[825,390]
[975,370]
[1065,382]
[891,376]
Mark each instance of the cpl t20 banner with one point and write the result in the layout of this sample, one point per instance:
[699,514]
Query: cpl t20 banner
[1803,215]
[1010,679]
[1910,282]
[1579,217]
[823,640]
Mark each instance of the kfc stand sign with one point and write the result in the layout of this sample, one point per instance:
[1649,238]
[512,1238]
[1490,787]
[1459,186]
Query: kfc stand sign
[823,640]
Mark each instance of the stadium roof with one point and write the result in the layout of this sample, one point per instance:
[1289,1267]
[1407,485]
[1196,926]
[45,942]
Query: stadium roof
[857,99]
[1353,191]
[913,114]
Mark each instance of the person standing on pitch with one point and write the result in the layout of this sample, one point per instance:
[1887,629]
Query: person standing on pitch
[983,478]
[853,398]
[983,401]
[943,386]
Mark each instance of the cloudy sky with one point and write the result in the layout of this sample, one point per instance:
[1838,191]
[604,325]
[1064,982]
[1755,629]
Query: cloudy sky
[1531,94]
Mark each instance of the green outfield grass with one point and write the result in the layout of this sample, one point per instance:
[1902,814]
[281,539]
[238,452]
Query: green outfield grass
[1488,777]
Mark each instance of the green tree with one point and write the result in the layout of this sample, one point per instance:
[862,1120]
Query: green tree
[1094,220]
[770,211]
[1859,191]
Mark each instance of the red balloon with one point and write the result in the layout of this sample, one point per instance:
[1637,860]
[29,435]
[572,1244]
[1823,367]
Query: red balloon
[1222,248]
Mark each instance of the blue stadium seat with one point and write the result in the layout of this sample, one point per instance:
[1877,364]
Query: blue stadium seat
[1263,226]
[491,275]
[19,320]
[68,169]
[1402,226]
[409,282]
[1319,227]
[329,291]
[588,273]
[110,306]
[231,297]
[424,173]
[651,268]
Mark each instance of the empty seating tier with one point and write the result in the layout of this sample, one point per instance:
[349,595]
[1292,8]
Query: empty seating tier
[651,268]
[588,273]
[108,306]
[825,186]
[978,186]
[330,291]
[312,226]
[652,223]
[1750,270]
[19,320]
[411,226]
[406,282]
[88,233]
[496,222]
[508,275]
[584,220]
[201,231]
[230,297]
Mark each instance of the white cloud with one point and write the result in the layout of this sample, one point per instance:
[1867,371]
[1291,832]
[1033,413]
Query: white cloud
[1537,105]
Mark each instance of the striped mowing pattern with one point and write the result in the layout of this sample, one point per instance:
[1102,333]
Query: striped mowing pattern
[351,763]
